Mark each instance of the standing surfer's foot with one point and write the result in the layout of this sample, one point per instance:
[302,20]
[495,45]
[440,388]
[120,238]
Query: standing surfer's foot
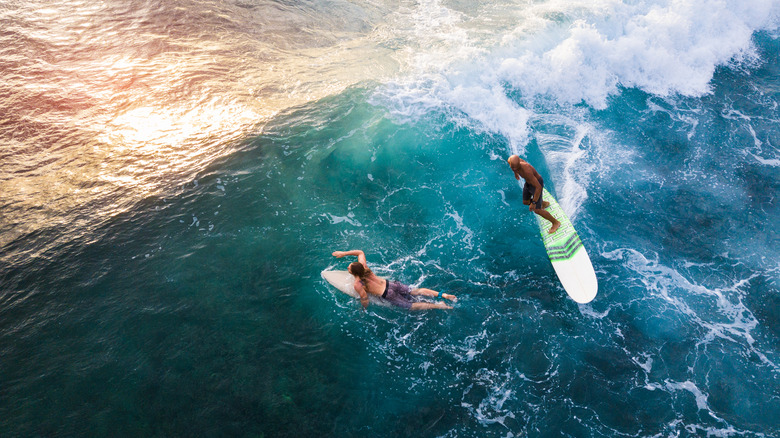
[450,297]
[554,227]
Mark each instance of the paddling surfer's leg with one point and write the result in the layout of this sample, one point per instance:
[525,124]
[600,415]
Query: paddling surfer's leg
[427,306]
[432,293]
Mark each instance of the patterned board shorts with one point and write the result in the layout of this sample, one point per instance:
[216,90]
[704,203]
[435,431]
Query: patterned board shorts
[398,294]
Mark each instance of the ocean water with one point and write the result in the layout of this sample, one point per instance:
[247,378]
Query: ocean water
[175,175]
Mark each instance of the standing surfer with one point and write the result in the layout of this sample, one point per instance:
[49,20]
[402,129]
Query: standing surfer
[532,190]
[395,292]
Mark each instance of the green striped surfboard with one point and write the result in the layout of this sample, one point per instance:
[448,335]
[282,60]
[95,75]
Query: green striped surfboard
[567,254]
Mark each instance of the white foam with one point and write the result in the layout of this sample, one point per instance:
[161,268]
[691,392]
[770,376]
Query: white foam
[470,345]
[662,47]
[673,287]
[572,51]
[773,162]
[491,408]
[564,156]
[702,404]
[759,152]
[448,70]
[647,365]
[701,398]
[557,53]
[349,218]
[468,234]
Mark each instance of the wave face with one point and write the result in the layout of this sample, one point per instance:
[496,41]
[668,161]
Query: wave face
[175,175]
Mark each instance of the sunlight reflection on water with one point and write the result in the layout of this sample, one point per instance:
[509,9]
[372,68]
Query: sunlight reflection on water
[108,104]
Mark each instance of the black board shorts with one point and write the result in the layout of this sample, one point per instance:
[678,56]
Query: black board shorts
[528,193]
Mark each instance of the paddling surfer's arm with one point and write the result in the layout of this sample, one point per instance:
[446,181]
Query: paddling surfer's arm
[362,292]
[355,252]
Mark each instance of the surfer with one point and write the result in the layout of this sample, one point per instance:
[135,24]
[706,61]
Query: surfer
[532,190]
[399,294]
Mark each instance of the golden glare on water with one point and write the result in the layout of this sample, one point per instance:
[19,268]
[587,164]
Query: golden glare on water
[149,128]
[119,104]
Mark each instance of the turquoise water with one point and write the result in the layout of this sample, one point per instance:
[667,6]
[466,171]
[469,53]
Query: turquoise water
[175,177]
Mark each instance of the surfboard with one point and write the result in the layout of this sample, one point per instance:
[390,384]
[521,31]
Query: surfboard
[344,281]
[567,254]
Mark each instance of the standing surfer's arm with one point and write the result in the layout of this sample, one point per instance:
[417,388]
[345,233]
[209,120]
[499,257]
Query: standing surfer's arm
[362,292]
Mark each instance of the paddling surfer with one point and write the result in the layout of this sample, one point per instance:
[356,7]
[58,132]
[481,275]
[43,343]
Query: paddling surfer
[399,294]
[532,190]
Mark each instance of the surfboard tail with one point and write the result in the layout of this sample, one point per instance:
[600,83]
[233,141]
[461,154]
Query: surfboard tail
[568,255]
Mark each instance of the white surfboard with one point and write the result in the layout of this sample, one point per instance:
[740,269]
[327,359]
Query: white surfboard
[344,281]
[567,254]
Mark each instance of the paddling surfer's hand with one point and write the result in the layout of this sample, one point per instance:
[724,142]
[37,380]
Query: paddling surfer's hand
[338,254]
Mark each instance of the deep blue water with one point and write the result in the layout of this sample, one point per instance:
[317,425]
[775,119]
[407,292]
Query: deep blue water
[175,177]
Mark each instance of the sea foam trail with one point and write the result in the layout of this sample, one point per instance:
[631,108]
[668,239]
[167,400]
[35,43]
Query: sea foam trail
[720,312]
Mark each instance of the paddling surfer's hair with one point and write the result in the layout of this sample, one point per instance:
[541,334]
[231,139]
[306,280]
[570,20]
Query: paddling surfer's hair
[357,268]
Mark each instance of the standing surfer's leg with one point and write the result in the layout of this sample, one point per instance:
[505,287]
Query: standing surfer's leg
[546,214]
